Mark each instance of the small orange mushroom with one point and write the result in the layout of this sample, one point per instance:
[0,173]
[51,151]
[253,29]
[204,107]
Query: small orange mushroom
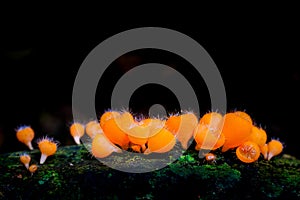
[25,159]
[116,129]
[237,127]
[213,119]
[264,151]
[136,148]
[248,152]
[275,147]
[182,127]
[77,131]
[139,133]
[208,134]
[47,147]
[107,116]
[32,168]
[258,135]
[102,147]
[92,129]
[173,123]
[208,138]
[161,142]
[210,157]
[25,134]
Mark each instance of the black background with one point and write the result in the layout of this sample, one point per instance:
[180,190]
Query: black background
[258,58]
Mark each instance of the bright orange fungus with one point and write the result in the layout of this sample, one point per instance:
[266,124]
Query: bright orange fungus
[237,127]
[116,129]
[248,152]
[213,119]
[210,157]
[77,131]
[161,142]
[275,147]
[25,159]
[47,147]
[264,151]
[93,128]
[207,138]
[207,133]
[182,127]
[33,168]
[25,134]
[258,135]
[102,147]
[107,116]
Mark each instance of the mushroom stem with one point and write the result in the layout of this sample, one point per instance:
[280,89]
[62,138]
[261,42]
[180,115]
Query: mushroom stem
[77,139]
[27,165]
[43,158]
[29,145]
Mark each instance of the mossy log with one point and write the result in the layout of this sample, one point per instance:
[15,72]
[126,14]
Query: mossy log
[72,173]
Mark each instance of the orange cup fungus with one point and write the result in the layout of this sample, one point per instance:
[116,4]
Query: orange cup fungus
[47,147]
[93,128]
[248,152]
[116,128]
[25,159]
[102,147]
[207,138]
[161,142]
[25,134]
[77,131]
[182,126]
[237,127]
[120,130]
[152,135]
[107,116]
[208,133]
[32,168]
[264,151]
[258,136]
[139,132]
[210,157]
[213,119]
[275,147]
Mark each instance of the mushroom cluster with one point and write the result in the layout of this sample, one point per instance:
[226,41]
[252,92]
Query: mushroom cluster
[117,131]
[47,146]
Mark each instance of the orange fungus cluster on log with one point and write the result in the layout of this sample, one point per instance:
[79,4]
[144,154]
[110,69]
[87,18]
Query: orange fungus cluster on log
[119,131]
[116,132]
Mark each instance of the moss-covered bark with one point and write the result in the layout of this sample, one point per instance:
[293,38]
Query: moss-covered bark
[72,173]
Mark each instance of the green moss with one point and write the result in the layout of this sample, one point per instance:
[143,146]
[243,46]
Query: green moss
[72,173]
